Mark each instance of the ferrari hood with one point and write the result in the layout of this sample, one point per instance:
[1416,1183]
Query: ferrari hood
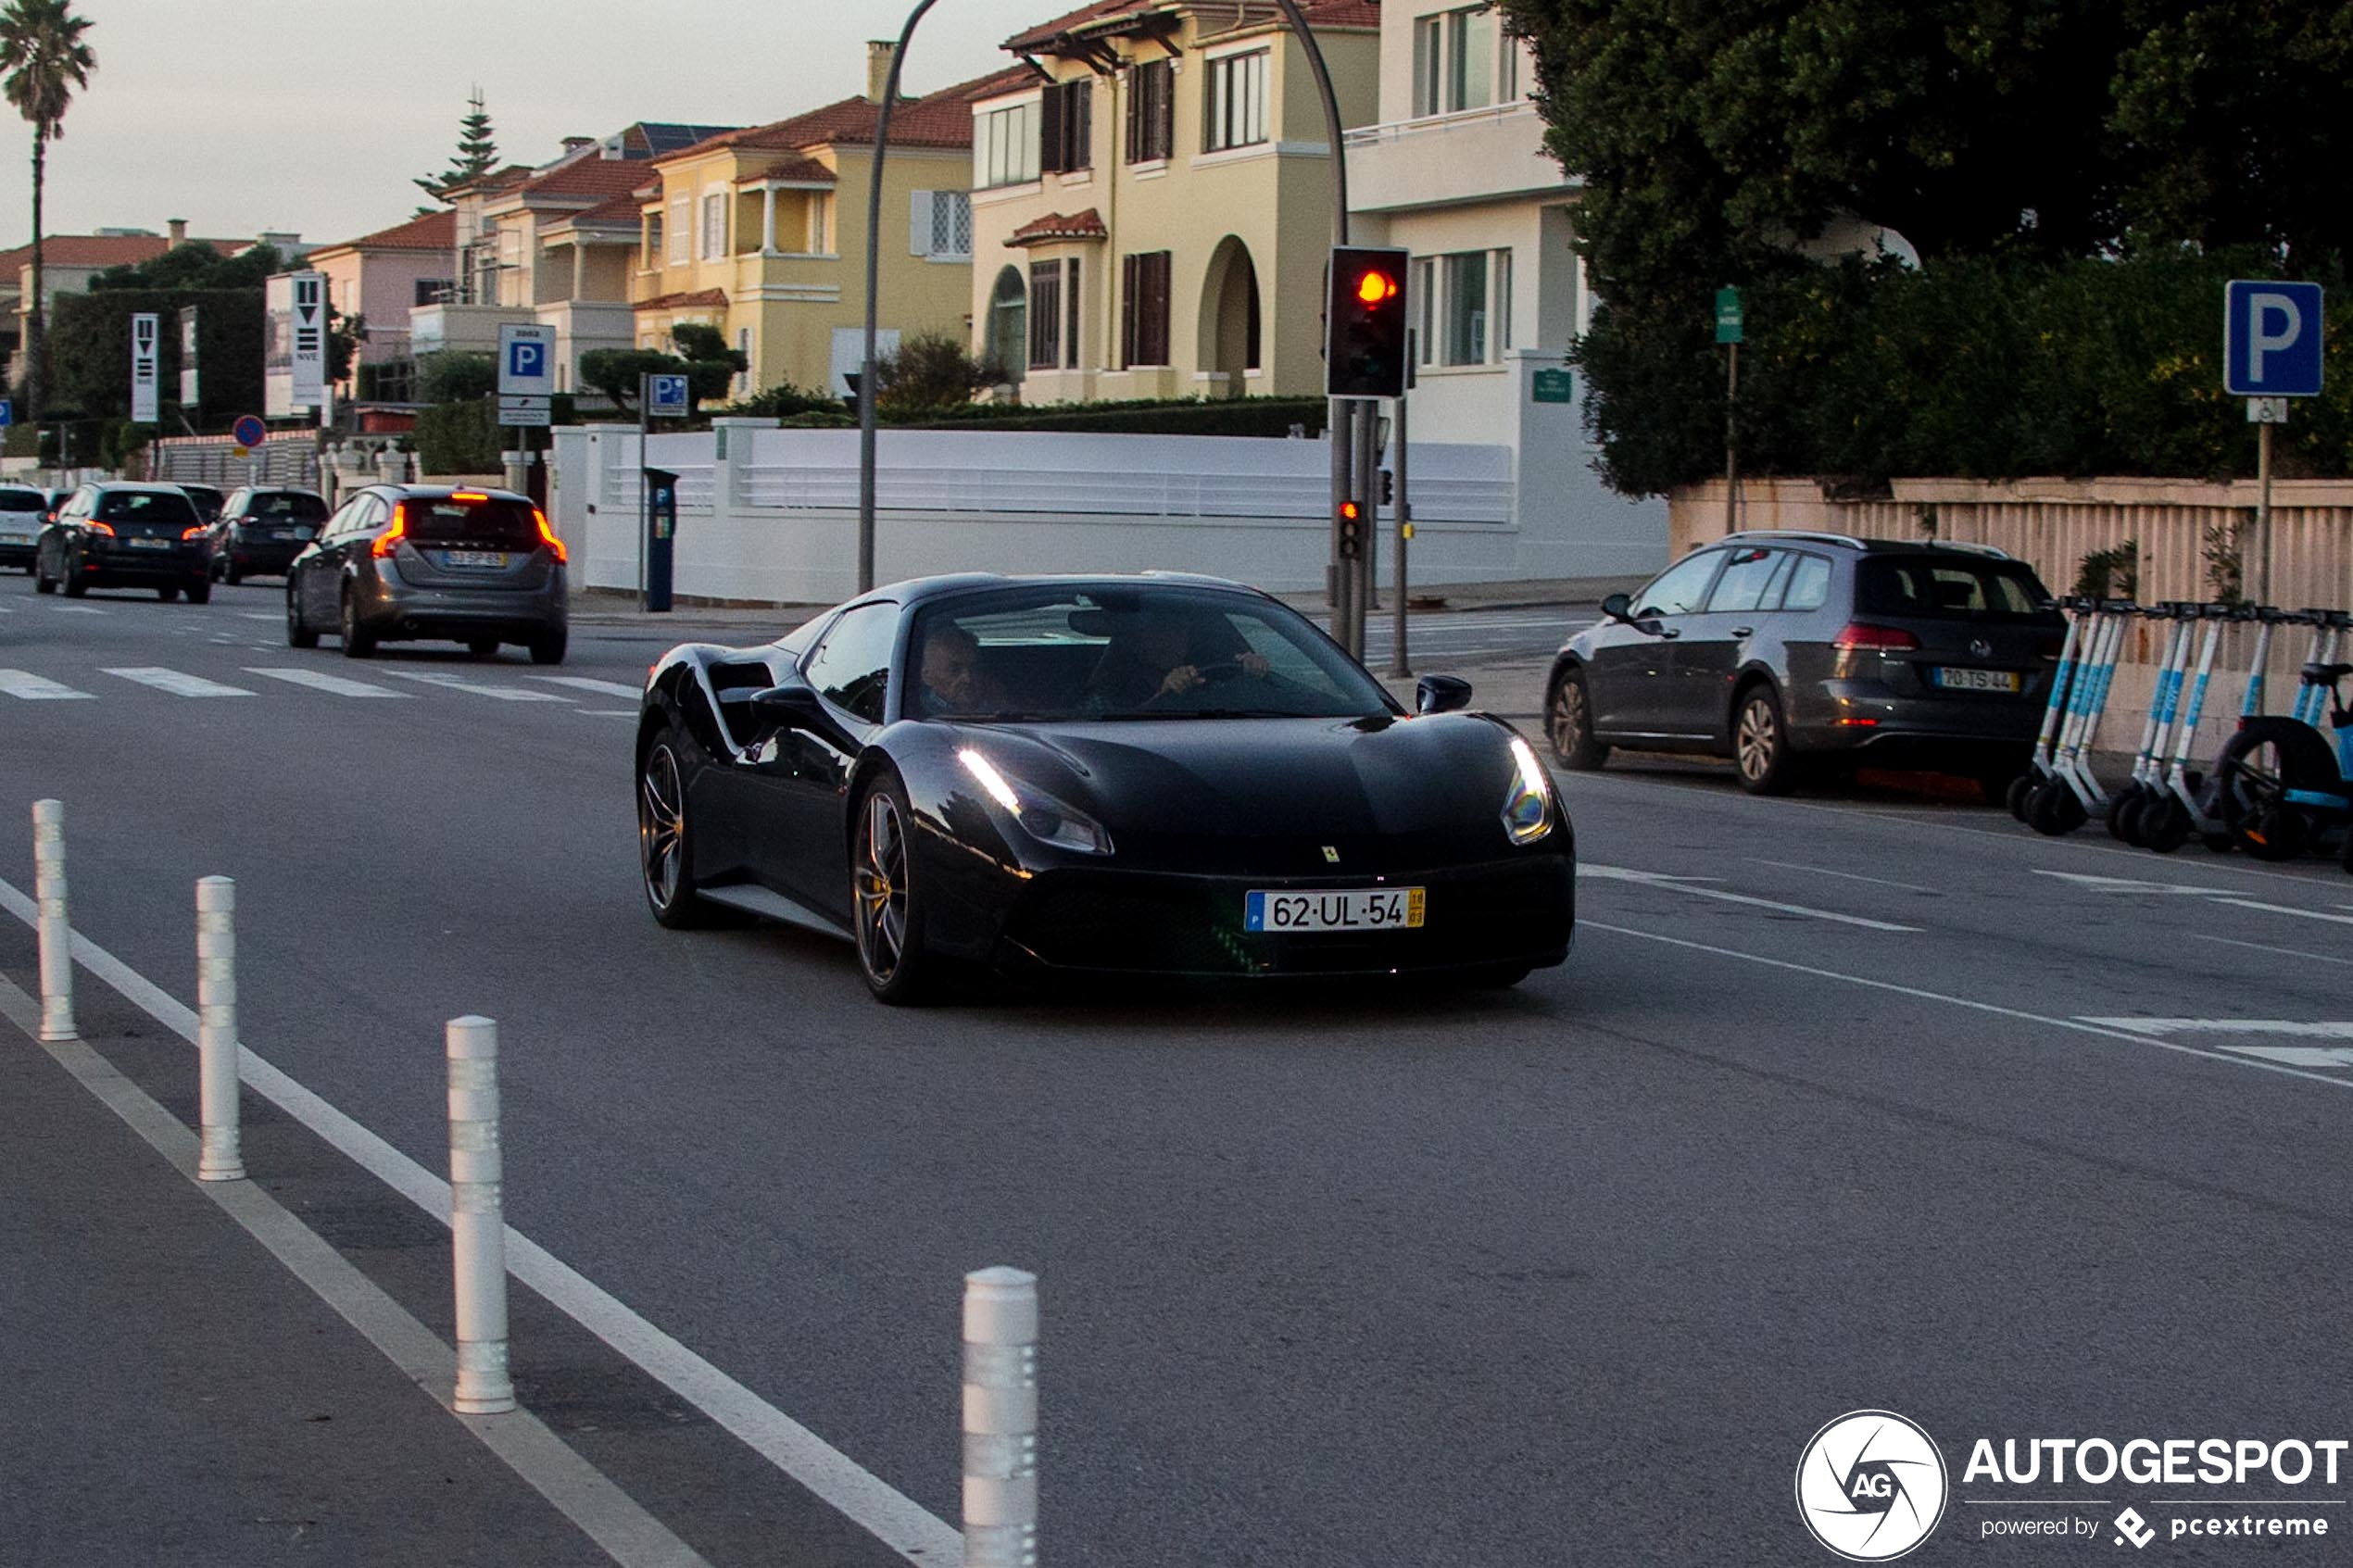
[1257,778]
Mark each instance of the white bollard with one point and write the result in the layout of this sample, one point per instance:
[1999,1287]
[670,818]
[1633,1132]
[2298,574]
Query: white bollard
[216,1047]
[477,1219]
[1000,1419]
[57,935]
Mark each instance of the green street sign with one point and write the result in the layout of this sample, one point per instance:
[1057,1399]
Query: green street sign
[1727,315]
[1555,386]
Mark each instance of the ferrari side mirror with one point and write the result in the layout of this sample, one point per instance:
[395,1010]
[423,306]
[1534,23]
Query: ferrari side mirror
[1442,694]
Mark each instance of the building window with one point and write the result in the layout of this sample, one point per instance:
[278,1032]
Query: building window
[1151,106]
[1067,127]
[820,208]
[1235,113]
[1005,146]
[1007,327]
[432,290]
[939,225]
[1071,312]
[1460,60]
[714,225]
[1143,312]
[1045,315]
[682,230]
[652,255]
[1461,307]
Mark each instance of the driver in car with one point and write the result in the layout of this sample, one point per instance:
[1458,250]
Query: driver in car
[953,681]
[1164,656]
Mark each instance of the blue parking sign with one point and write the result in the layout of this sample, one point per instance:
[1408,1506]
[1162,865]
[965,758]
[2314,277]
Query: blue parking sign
[666,394]
[2271,335]
[527,361]
[7,412]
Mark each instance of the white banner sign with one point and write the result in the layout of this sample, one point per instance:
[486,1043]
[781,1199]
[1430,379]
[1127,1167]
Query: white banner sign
[144,408]
[188,356]
[294,370]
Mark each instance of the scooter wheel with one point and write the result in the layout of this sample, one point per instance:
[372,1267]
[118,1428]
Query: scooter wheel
[2272,831]
[2164,824]
[2114,815]
[2221,842]
[2022,787]
[2124,816]
[2054,811]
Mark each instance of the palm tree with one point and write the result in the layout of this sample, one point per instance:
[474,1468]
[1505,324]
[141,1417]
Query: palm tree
[41,48]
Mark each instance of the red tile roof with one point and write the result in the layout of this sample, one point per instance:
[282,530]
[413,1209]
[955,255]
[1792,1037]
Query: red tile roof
[621,211]
[699,299]
[102,250]
[937,120]
[1225,15]
[806,169]
[433,230]
[1087,225]
[597,177]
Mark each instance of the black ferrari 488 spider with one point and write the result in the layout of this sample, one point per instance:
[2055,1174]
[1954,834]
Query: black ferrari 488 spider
[1160,774]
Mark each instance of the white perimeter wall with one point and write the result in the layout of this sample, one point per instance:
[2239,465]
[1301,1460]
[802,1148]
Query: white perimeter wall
[774,519]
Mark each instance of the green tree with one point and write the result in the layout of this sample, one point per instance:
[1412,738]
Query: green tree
[930,370]
[193,267]
[46,61]
[711,366]
[615,371]
[2239,119]
[477,152]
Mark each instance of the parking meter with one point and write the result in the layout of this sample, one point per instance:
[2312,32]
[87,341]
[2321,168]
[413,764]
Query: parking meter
[661,529]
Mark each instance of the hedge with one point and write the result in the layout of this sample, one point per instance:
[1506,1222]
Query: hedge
[90,352]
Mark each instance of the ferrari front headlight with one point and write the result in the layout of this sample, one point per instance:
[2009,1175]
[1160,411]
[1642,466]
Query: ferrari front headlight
[1528,809]
[1038,814]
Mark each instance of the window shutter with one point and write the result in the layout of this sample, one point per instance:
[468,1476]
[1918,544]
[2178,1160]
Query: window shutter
[1052,156]
[919,222]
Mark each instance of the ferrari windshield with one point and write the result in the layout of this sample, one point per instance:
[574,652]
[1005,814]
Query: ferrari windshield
[1128,651]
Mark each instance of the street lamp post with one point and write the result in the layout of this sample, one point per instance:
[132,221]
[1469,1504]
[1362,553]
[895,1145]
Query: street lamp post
[873,272]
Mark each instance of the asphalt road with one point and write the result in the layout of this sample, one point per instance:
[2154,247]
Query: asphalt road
[1815,1118]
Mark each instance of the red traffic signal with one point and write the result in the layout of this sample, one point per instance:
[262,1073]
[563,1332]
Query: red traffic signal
[1364,326]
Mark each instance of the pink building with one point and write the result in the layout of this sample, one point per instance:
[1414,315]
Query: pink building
[381,277]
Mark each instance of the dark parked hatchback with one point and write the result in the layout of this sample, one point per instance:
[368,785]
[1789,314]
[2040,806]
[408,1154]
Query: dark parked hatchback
[125,536]
[404,562]
[1782,650]
[262,530]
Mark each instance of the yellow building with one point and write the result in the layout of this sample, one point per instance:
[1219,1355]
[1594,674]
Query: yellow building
[1152,216]
[761,233]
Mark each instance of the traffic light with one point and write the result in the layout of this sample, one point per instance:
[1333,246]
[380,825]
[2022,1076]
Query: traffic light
[1364,326]
[1352,530]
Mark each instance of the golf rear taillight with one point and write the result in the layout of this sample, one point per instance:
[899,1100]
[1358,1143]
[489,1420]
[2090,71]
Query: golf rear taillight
[1857,635]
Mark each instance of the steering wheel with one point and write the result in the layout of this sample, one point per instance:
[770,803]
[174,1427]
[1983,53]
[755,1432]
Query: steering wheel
[1217,672]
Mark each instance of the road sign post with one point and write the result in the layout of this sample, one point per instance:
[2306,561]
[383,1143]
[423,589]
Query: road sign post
[2271,351]
[145,408]
[1731,328]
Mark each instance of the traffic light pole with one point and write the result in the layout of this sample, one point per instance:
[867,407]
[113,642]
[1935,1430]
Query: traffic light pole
[1342,439]
[1398,663]
[1366,477]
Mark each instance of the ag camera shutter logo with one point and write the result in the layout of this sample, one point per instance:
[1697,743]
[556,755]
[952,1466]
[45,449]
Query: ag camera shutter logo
[1871,1486]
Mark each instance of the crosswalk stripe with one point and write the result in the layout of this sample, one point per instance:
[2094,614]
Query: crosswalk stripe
[176,681]
[36,688]
[319,681]
[455,683]
[586,683]
[77,610]
[259,615]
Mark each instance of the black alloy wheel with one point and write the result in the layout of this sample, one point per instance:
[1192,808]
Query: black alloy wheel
[663,846]
[1760,745]
[200,591]
[41,581]
[549,648]
[889,920]
[483,647]
[299,632]
[357,641]
[1568,723]
[75,584]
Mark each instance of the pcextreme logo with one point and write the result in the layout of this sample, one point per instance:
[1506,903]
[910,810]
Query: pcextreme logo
[1871,1486]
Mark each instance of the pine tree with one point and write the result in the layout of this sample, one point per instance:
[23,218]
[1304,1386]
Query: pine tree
[477,151]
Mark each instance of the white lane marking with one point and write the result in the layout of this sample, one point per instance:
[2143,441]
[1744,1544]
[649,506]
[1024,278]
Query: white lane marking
[2267,948]
[2218,894]
[607,713]
[176,682]
[1848,876]
[1996,1008]
[258,615]
[37,688]
[2305,1029]
[319,681]
[582,1493]
[458,684]
[1689,885]
[603,688]
[2299,1056]
[901,1523]
[77,610]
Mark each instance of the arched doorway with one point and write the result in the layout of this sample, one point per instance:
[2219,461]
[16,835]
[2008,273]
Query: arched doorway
[1229,327]
[1009,325]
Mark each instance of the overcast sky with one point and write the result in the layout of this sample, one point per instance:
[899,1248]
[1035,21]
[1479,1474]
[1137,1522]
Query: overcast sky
[315,115]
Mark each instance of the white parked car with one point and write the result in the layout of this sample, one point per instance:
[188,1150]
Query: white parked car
[22,511]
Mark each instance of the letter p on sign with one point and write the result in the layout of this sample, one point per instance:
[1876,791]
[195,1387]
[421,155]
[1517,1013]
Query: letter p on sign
[2271,339]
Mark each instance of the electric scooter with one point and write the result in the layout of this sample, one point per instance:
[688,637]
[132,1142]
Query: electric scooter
[2079,617]
[2146,781]
[2282,783]
[2066,799]
[2164,822]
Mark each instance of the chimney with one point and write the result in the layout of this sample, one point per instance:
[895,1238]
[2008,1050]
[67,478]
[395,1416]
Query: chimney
[573,144]
[878,53]
[179,227]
